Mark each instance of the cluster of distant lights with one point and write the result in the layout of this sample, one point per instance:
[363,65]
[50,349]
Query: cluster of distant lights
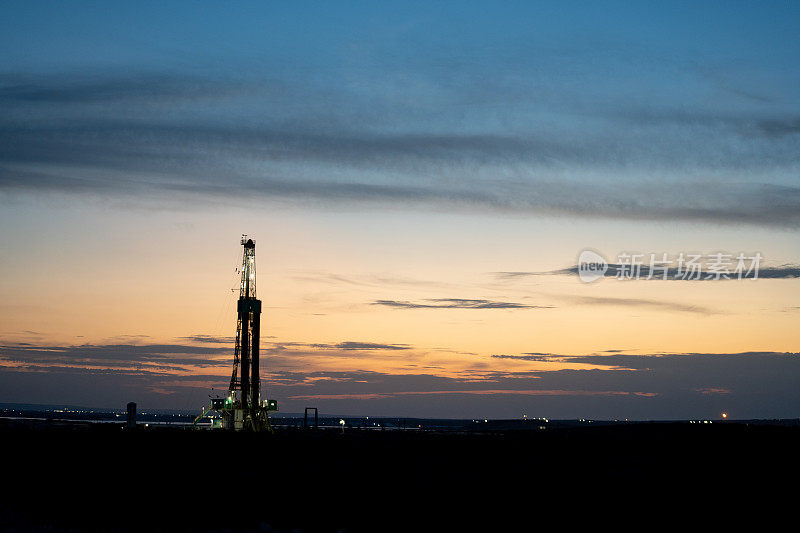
[540,419]
[123,413]
[723,415]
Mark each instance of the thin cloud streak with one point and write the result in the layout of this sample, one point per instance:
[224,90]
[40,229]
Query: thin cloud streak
[354,345]
[658,305]
[209,339]
[456,303]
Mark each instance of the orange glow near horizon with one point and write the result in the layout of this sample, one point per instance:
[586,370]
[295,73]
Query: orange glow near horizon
[321,288]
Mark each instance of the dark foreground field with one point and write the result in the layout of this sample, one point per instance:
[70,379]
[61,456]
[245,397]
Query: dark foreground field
[100,477]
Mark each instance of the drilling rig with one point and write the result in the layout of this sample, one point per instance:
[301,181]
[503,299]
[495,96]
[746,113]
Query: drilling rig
[243,408]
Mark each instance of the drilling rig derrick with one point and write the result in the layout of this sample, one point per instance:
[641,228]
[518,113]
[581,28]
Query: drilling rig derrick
[243,407]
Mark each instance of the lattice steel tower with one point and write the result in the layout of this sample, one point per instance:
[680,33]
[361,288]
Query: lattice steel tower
[245,389]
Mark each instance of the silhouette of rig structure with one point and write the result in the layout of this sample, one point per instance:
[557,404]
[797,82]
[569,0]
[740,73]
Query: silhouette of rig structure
[243,408]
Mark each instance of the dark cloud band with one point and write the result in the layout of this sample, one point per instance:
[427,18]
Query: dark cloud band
[155,135]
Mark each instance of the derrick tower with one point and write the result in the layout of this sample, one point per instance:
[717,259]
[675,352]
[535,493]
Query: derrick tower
[245,410]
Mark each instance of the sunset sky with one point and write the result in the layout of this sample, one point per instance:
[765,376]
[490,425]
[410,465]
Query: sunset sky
[420,179]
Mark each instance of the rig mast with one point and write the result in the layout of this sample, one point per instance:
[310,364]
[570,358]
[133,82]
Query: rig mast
[244,393]
[243,408]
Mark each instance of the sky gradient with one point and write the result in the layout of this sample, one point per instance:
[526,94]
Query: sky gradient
[420,179]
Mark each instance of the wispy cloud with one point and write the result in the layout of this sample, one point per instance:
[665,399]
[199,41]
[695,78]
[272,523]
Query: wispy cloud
[532,356]
[659,305]
[291,350]
[456,303]
[368,280]
[354,345]
[209,339]
[153,356]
